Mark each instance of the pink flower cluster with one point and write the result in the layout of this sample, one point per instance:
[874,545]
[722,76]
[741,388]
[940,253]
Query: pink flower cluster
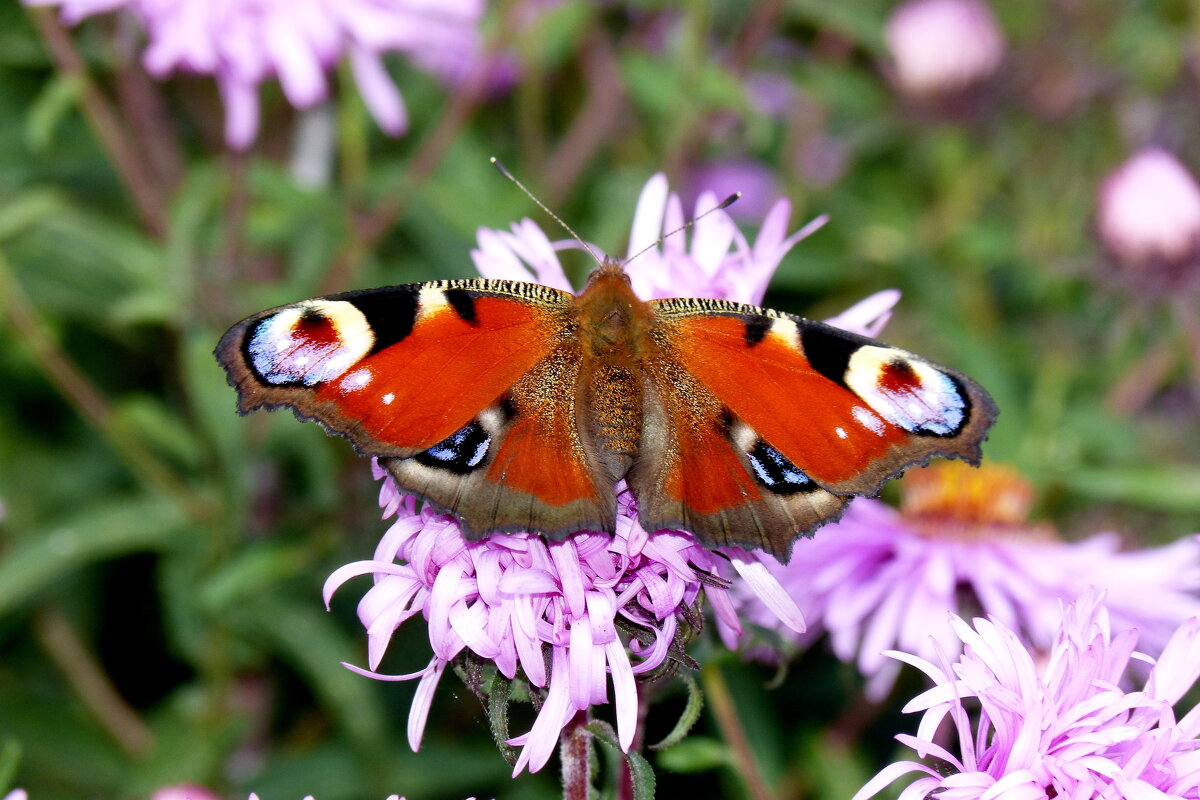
[243,43]
[881,578]
[1058,727]
[507,597]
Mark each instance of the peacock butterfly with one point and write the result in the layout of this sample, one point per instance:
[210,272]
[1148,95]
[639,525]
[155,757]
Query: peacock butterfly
[518,407]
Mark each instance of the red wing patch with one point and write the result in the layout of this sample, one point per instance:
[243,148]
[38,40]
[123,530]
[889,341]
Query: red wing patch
[420,390]
[706,474]
[823,428]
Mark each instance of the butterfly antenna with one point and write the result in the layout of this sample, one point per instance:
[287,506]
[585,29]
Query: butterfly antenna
[504,171]
[726,203]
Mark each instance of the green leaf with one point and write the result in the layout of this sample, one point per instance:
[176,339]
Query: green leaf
[315,647]
[691,713]
[213,405]
[832,768]
[45,558]
[1174,489]
[259,565]
[639,768]
[28,209]
[10,759]
[190,744]
[49,109]
[158,427]
[554,34]
[696,754]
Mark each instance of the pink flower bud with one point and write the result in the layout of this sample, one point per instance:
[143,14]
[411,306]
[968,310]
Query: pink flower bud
[1148,211]
[943,46]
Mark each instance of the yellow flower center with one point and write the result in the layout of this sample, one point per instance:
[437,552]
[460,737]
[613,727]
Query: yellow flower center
[950,499]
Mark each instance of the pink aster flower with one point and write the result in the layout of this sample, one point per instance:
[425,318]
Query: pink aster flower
[508,598]
[940,47]
[244,43]
[520,601]
[718,262]
[962,543]
[1057,725]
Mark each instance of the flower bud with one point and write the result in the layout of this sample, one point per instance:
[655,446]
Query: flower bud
[1148,216]
[943,47]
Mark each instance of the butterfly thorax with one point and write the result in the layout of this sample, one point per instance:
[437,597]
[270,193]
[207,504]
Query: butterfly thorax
[614,325]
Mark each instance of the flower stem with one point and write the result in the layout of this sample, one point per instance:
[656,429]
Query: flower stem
[77,663]
[720,701]
[87,399]
[147,196]
[595,123]
[574,751]
[1185,313]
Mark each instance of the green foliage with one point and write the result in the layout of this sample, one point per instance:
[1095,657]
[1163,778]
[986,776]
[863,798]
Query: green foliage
[180,549]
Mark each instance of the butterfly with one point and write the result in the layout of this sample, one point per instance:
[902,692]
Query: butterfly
[517,407]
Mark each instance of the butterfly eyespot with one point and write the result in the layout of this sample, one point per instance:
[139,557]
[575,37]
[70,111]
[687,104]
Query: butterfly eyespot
[309,343]
[462,452]
[910,394]
[776,472]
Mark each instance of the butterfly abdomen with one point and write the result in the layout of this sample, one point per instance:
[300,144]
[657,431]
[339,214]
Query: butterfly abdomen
[615,400]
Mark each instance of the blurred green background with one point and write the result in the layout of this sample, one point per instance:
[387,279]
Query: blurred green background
[161,558]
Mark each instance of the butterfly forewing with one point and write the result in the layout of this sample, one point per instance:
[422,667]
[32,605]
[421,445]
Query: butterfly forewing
[462,386]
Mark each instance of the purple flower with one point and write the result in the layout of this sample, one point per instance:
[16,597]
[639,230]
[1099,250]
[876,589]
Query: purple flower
[881,579]
[1148,215]
[243,43]
[508,598]
[1057,725]
[756,182]
[941,47]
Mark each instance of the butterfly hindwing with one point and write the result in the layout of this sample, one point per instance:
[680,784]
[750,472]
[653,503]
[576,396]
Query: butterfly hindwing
[465,389]
[809,412]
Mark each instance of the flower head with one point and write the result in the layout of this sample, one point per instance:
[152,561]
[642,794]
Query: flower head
[1148,217]
[243,43]
[942,47]
[1058,725]
[509,598]
[962,543]
[575,615]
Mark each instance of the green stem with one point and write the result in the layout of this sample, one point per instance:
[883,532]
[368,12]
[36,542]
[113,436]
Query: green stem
[720,701]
